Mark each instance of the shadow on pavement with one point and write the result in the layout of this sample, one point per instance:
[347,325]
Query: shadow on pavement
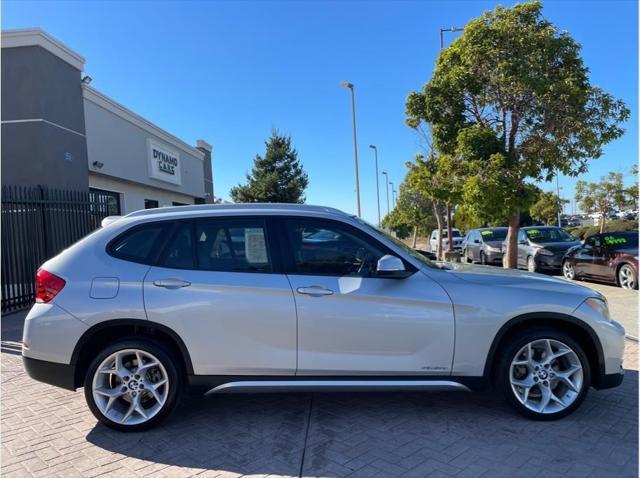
[388,434]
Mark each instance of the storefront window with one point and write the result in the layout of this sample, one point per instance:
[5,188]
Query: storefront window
[105,201]
[150,204]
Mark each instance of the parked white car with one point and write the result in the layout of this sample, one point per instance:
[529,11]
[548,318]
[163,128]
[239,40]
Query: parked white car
[251,298]
[458,238]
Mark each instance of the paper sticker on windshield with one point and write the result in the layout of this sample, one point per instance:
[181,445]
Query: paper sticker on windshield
[255,247]
[487,233]
[532,232]
[614,241]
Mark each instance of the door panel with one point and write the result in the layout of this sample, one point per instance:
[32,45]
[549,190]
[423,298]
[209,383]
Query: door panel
[370,326]
[232,323]
[352,322]
[217,288]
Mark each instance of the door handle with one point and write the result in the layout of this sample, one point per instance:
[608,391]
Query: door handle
[314,290]
[171,283]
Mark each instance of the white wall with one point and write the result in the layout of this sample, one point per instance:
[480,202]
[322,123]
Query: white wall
[132,195]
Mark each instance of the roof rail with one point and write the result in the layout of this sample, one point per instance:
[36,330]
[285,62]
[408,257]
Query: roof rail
[239,207]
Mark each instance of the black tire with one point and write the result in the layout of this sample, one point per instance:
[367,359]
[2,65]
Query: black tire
[507,354]
[169,362]
[483,258]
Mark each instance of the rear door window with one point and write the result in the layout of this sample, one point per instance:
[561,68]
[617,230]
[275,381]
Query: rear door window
[232,245]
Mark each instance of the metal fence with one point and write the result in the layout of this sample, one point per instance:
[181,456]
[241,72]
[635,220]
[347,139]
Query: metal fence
[38,223]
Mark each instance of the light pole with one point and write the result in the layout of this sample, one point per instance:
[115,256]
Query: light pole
[375,153]
[392,204]
[395,198]
[559,201]
[442,30]
[386,175]
[355,142]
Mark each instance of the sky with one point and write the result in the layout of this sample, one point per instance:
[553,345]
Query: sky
[231,72]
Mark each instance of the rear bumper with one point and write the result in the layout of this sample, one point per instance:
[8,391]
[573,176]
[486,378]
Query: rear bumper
[58,374]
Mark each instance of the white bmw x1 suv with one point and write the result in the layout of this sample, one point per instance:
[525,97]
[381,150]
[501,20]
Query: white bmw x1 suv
[252,298]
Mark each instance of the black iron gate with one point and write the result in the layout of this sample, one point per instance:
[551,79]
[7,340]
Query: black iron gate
[38,223]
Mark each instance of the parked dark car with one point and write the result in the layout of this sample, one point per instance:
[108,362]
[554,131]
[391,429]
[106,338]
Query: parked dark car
[610,257]
[484,245]
[543,247]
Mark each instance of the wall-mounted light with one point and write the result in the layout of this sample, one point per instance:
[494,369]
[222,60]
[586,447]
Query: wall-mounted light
[86,79]
[98,164]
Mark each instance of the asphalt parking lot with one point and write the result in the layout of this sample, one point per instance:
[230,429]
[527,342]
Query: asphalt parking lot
[50,432]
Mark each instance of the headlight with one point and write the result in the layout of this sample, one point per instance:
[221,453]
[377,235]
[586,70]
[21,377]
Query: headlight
[493,249]
[600,306]
[545,252]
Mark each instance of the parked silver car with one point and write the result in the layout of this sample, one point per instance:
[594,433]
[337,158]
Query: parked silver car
[239,298]
[484,245]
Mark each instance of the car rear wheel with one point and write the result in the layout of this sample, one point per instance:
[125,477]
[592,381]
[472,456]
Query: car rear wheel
[568,270]
[544,374]
[132,385]
[627,277]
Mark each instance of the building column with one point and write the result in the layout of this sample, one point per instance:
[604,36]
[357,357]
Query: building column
[206,148]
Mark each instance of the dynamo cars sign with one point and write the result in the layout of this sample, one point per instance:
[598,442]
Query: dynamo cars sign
[164,162]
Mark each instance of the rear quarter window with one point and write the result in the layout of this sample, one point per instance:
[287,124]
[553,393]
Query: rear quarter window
[137,244]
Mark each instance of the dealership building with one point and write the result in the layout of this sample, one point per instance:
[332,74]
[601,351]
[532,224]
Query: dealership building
[59,132]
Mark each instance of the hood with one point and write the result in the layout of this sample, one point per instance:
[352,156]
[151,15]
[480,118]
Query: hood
[488,275]
[557,246]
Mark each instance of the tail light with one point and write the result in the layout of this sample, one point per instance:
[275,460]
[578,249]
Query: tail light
[47,286]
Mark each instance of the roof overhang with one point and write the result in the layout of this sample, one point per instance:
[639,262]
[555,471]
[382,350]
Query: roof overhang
[25,37]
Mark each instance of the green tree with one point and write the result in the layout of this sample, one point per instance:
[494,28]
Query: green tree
[547,207]
[276,177]
[632,191]
[521,83]
[602,197]
[413,214]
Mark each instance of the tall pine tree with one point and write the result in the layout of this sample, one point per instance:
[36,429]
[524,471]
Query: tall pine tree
[278,177]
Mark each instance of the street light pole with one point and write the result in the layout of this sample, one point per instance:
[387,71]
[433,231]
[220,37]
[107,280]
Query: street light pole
[392,204]
[395,198]
[355,141]
[559,201]
[375,152]
[442,30]
[386,175]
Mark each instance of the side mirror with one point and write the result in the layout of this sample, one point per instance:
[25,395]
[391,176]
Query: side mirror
[391,267]
[476,241]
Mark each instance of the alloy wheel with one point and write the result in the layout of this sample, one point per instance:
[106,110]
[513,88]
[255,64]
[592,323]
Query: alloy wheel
[626,277]
[130,386]
[568,270]
[531,264]
[546,376]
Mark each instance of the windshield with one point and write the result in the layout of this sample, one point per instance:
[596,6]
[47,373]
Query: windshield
[454,233]
[549,234]
[494,234]
[412,252]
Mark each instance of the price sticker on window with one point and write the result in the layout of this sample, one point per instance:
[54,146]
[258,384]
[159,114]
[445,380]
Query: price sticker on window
[255,246]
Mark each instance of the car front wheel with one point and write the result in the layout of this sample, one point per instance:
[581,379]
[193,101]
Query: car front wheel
[544,374]
[132,384]
[568,270]
[531,264]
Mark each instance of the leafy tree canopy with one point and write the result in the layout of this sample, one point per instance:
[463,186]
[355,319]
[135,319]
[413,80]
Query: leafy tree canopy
[277,177]
[413,214]
[602,197]
[547,207]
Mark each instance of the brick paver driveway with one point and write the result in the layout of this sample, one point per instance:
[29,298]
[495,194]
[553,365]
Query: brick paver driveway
[50,432]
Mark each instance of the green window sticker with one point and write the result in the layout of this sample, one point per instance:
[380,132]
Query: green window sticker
[533,232]
[487,233]
[614,241]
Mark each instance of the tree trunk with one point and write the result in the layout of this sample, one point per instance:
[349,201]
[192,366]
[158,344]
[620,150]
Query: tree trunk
[602,220]
[511,255]
[415,237]
[449,229]
[436,213]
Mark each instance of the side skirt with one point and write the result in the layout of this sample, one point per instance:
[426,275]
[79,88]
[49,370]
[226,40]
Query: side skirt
[217,384]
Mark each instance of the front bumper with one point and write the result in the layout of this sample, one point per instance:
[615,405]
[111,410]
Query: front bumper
[58,374]
[493,256]
[549,262]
